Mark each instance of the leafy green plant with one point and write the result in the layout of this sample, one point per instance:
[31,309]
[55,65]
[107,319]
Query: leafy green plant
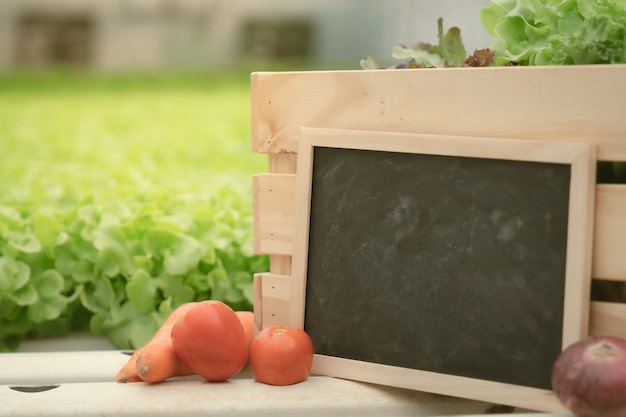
[448,52]
[557,32]
[528,32]
[121,201]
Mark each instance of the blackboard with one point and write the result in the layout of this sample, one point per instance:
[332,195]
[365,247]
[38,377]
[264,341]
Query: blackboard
[421,253]
[474,248]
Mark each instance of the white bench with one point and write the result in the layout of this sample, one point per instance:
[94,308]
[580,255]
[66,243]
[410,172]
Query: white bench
[82,383]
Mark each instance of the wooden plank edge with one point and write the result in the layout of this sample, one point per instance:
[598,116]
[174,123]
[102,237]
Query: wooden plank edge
[273,298]
[607,319]
[609,245]
[382,100]
[273,213]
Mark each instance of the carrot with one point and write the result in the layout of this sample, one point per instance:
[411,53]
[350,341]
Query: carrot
[247,321]
[156,360]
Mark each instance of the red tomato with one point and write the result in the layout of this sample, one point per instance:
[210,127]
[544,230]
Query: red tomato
[281,356]
[211,340]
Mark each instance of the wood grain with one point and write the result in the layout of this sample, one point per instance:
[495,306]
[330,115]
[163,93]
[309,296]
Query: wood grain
[609,246]
[571,104]
[609,243]
[574,103]
[608,319]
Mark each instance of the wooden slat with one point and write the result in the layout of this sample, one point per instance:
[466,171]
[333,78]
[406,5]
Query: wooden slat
[280,264]
[275,292]
[282,163]
[465,102]
[569,103]
[274,223]
[438,383]
[273,199]
[609,261]
[258,302]
[607,319]
[286,164]
[609,249]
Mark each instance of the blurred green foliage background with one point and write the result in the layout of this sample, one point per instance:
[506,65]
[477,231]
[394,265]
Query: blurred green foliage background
[121,197]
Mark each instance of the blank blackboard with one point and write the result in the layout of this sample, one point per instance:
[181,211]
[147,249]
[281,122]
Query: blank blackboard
[474,247]
[442,255]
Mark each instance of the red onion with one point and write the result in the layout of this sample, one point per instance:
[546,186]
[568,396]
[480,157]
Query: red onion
[589,377]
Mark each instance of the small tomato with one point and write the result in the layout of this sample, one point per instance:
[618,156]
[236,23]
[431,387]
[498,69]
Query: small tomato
[281,356]
[211,340]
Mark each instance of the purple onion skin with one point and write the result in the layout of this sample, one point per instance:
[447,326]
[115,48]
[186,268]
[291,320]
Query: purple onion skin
[589,377]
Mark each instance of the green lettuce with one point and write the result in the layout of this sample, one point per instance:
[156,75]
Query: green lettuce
[121,199]
[448,52]
[557,32]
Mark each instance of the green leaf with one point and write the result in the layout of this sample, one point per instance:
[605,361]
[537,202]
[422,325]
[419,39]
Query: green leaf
[421,56]
[209,256]
[588,8]
[490,16]
[132,333]
[87,300]
[219,284]
[370,63]
[450,46]
[180,222]
[570,23]
[104,295]
[10,216]
[64,261]
[97,324]
[54,328]
[23,242]
[25,296]
[83,271]
[248,291]
[9,310]
[449,51]
[140,330]
[141,291]
[48,308]
[184,255]
[550,32]
[174,287]
[158,239]
[113,256]
[49,283]
[198,281]
[98,296]
[47,230]
[14,274]
[144,262]
[89,214]
[12,332]
[512,29]
[238,281]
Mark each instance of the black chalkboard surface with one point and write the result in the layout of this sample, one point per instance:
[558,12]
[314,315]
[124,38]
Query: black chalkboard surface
[453,265]
[421,254]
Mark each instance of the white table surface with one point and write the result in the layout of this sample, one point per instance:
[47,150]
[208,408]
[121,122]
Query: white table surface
[84,386]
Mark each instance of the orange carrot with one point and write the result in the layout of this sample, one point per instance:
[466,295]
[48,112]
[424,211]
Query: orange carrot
[127,373]
[156,360]
[247,321]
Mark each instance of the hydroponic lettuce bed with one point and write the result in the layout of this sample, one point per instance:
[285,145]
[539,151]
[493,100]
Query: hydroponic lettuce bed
[122,198]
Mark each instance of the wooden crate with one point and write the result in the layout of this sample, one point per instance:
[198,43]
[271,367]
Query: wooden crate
[571,104]
[582,104]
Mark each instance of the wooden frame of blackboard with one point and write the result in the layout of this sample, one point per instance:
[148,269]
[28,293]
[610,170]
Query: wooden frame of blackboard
[581,159]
